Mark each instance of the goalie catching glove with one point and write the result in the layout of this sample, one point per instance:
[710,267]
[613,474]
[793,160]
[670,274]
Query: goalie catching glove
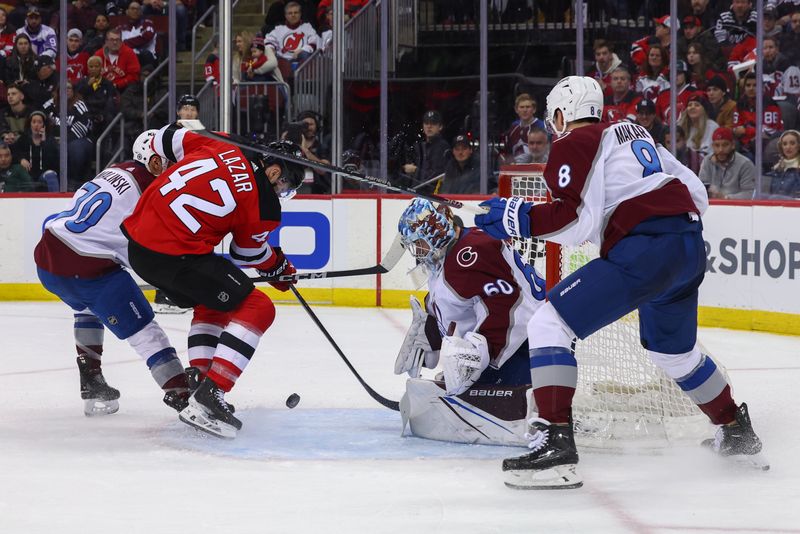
[507,217]
[282,266]
[416,350]
[463,361]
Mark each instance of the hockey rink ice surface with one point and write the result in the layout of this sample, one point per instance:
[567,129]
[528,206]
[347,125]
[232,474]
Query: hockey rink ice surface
[337,462]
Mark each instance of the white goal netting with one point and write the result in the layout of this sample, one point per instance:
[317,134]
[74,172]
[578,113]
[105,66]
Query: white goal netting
[622,399]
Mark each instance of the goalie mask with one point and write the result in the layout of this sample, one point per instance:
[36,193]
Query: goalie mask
[578,97]
[426,231]
[292,174]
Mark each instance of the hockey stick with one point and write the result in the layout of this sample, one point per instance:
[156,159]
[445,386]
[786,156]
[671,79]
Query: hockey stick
[394,254]
[249,144]
[392,405]
[388,263]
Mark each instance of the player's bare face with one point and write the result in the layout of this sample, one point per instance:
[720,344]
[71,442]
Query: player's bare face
[292,15]
[525,110]
[790,146]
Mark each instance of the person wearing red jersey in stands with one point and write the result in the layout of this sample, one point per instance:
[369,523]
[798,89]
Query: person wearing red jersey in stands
[621,104]
[685,91]
[120,64]
[640,48]
[744,118]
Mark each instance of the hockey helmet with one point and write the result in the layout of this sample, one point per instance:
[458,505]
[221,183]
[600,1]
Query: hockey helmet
[426,230]
[578,97]
[189,100]
[292,173]
[143,149]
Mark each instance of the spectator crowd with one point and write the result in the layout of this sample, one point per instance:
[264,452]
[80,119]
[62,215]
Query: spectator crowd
[715,92]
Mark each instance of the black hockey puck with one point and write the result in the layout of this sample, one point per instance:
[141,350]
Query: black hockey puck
[292,400]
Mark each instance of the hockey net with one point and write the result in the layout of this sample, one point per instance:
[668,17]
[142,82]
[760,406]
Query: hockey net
[622,399]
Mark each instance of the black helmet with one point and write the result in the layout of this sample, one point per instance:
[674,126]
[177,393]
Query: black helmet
[293,173]
[189,100]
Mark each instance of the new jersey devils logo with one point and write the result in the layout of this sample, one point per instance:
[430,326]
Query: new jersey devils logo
[466,257]
[293,41]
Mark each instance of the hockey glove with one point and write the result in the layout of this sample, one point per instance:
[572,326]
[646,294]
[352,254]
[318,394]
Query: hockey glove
[281,267]
[507,217]
[463,361]
[416,350]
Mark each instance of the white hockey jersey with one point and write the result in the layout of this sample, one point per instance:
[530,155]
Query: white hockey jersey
[89,230]
[485,287]
[605,179]
[285,40]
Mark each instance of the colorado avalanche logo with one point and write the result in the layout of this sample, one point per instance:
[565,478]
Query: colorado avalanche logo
[293,41]
[466,257]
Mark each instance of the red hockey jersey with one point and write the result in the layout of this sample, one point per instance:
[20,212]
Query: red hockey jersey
[210,192]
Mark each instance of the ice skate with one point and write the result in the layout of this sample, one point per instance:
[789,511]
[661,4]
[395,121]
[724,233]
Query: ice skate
[194,378]
[176,401]
[208,411]
[98,397]
[161,304]
[739,442]
[552,463]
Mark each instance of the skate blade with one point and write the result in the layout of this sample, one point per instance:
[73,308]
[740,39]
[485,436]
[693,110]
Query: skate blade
[197,418]
[95,407]
[559,477]
[750,461]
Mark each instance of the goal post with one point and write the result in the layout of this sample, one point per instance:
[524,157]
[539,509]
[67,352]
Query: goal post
[622,399]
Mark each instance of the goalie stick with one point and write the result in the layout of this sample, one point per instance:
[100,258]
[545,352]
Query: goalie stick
[392,405]
[388,263]
[248,144]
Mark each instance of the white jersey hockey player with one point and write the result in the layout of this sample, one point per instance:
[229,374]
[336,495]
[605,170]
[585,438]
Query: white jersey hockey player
[481,297]
[614,186]
[81,258]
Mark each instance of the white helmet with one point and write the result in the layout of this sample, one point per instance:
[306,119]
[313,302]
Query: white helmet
[143,148]
[578,97]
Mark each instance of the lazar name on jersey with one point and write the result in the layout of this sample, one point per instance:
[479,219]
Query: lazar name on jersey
[213,190]
[485,287]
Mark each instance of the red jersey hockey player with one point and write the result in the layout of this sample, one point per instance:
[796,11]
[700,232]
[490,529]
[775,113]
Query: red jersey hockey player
[214,190]
[481,296]
[614,186]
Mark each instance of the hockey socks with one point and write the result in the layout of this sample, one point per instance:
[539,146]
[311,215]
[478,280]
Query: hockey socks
[554,376]
[708,388]
[89,333]
[234,350]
